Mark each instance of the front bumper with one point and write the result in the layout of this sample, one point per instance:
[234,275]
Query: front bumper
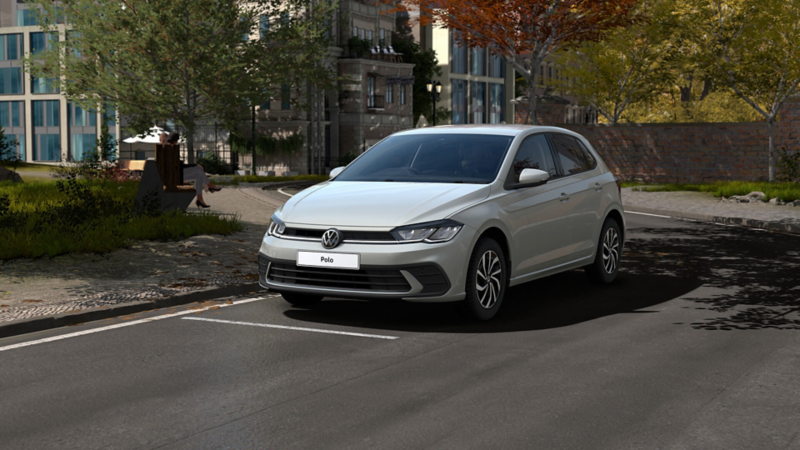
[418,272]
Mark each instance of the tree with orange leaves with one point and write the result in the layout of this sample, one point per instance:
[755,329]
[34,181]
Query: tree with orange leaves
[525,32]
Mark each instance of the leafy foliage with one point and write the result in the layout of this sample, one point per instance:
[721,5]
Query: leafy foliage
[788,165]
[525,32]
[8,150]
[426,67]
[191,61]
[631,65]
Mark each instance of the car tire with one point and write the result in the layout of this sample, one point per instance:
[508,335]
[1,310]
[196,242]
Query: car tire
[605,268]
[486,287]
[303,300]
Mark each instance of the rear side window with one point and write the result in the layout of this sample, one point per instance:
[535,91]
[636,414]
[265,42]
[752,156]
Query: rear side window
[533,153]
[571,155]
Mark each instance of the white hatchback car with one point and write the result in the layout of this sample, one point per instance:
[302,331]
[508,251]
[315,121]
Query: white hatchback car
[452,213]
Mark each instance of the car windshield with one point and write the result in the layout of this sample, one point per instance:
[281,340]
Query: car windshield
[431,158]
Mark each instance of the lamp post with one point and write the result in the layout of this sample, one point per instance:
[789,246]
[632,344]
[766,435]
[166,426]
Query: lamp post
[431,85]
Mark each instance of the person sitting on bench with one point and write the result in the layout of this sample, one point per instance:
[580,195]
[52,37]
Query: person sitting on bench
[192,172]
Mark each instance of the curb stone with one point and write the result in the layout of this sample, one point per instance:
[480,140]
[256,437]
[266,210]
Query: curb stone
[785,227]
[24,326]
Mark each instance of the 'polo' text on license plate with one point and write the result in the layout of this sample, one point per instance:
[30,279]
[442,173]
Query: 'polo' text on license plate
[331,260]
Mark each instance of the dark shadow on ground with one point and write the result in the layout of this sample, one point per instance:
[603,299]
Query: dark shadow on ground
[750,278]
[558,301]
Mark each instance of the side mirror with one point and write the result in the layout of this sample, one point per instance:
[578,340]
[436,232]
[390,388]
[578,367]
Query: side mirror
[533,176]
[336,171]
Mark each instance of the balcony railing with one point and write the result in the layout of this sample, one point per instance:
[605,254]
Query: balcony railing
[375,102]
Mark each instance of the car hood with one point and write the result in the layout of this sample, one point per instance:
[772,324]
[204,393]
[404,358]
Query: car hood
[379,204]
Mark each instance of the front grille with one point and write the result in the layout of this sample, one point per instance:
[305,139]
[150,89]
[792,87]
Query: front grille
[362,280]
[347,235]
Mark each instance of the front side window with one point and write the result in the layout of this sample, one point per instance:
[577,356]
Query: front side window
[533,153]
[431,158]
[570,154]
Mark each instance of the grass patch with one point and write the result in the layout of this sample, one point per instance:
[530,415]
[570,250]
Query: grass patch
[785,191]
[58,217]
[632,184]
[259,179]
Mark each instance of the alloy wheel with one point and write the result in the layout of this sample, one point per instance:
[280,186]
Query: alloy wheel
[611,250]
[489,279]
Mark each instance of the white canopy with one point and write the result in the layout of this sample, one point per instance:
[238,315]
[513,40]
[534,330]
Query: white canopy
[153,136]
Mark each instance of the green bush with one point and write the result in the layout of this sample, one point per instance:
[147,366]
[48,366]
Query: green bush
[213,164]
[55,218]
[788,165]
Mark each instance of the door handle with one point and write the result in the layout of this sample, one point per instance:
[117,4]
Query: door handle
[564,197]
[598,187]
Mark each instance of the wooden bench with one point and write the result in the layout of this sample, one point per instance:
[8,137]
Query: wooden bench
[132,165]
[170,170]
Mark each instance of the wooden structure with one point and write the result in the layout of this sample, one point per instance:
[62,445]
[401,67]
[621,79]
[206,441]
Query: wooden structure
[168,161]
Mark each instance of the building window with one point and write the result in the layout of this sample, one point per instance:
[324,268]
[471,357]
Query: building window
[478,102]
[80,117]
[496,98]
[83,145]
[26,18]
[383,37]
[355,31]
[42,41]
[286,97]
[11,80]
[402,95]
[390,93]
[370,38]
[459,64]
[497,66]
[263,26]
[363,33]
[46,147]
[478,62]
[371,91]
[549,73]
[459,90]
[10,47]
[41,85]
[19,149]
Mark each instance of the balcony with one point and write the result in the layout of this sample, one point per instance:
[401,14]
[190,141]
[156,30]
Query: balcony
[375,102]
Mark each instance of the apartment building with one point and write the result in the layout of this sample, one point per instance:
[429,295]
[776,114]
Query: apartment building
[47,126]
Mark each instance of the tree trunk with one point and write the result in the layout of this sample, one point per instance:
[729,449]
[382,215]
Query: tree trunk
[531,91]
[253,140]
[771,128]
[707,84]
[190,145]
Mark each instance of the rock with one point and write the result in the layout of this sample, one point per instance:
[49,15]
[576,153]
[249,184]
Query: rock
[9,175]
[795,203]
[187,244]
[756,196]
[739,199]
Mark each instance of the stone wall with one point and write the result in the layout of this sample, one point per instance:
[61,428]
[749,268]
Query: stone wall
[688,153]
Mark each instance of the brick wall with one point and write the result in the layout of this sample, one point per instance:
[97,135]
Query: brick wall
[688,153]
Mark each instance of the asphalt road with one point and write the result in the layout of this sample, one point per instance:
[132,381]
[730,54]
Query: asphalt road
[696,346]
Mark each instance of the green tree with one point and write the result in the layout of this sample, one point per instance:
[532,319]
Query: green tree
[160,59]
[630,65]
[754,49]
[8,149]
[426,66]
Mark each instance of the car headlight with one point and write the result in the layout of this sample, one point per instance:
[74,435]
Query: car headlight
[432,232]
[276,226]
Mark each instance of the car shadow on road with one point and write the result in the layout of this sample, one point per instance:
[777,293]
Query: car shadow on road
[750,279]
[557,301]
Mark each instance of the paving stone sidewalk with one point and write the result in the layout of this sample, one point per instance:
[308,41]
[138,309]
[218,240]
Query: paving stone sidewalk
[70,283]
[704,206]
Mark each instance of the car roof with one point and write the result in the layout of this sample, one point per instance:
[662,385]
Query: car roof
[495,129]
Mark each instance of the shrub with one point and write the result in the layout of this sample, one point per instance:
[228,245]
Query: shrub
[61,217]
[788,165]
[213,164]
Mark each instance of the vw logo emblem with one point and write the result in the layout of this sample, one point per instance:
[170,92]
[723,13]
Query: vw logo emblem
[331,238]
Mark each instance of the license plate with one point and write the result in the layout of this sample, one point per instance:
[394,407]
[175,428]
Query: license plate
[350,261]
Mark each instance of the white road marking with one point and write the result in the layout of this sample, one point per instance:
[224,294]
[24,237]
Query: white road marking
[126,324]
[284,327]
[284,193]
[652,215]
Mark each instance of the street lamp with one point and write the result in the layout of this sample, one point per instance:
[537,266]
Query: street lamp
[434,95]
